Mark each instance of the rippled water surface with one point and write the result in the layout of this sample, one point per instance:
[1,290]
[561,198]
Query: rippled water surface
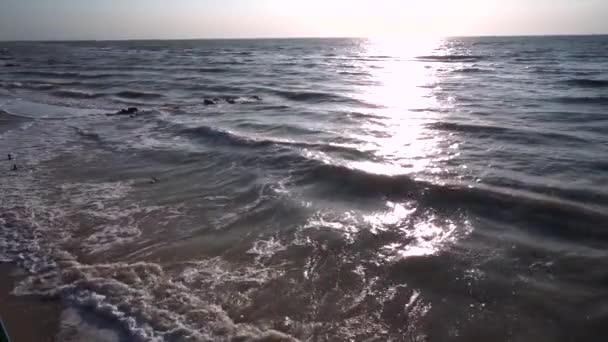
[319,190]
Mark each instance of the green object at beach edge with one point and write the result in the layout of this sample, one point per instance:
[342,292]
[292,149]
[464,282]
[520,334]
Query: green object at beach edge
[3,333]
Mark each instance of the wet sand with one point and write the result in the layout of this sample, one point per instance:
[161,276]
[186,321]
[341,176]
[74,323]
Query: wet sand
[28,318]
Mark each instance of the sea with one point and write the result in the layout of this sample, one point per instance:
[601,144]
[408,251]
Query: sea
[415,189]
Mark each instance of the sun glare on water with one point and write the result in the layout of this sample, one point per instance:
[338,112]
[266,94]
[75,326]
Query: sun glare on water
[402,91]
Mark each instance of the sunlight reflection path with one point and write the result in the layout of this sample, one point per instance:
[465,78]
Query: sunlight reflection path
[400,138]
[403,91]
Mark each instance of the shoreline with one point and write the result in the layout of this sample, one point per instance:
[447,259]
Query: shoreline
[27,318]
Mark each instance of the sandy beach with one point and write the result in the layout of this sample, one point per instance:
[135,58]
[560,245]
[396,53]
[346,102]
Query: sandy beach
[29,318]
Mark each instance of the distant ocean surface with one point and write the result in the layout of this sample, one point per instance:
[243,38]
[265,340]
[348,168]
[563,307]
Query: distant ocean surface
[310,189]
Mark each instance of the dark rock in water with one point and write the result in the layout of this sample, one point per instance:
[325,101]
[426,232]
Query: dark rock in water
[255,97]
[230,99]
[126,111]
[208,102]
[15,168]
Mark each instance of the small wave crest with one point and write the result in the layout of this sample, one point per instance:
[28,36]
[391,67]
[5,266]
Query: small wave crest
[212,70]
[469,71]
[513,134]
[75,94]
[28,85]
[586,83]
[355,181]
[317,97]
[466,128]
[67,74]
[87,133]
[483,200]
[451,58]
[233,139]
[582,100]
[131,94]
[221,136]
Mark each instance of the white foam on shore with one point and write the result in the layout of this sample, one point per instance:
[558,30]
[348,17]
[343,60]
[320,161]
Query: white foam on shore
[39,110]
[75,328]
[265,249]
[42,220]
[152,305]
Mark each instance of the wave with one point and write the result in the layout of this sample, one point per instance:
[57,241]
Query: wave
[466,128]
[527,209]
[496,132]
[10,117]
[587,56]
[28,85]
[131,94]
[220,136]
[353,181]
[469,70]
[144,300]
[267,128]
[586,83]
[57,74]
[355,73]
[216,88]
[211,70]
[545,70]
[483,200]
[318,97]
[601,100]
[87,133]
[76,94]
[305,96]
[529,59]
[570,192]
[231,139]
[46,73]
[553,71]
[451,58]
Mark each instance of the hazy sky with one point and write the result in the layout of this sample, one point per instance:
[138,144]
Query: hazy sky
[122,19]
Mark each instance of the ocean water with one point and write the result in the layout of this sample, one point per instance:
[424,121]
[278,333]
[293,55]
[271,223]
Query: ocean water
[448,189]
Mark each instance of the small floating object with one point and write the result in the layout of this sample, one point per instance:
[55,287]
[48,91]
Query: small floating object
[208,102]
[126,111]
[15,168]
[10,156]
[255,97]
[153,180]
[130,110]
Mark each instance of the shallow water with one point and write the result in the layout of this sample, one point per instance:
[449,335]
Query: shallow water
[338,189]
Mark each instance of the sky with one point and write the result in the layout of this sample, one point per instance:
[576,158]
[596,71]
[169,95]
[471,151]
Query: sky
[167,19]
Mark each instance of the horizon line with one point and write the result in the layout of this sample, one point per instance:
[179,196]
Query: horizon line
[306,37]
